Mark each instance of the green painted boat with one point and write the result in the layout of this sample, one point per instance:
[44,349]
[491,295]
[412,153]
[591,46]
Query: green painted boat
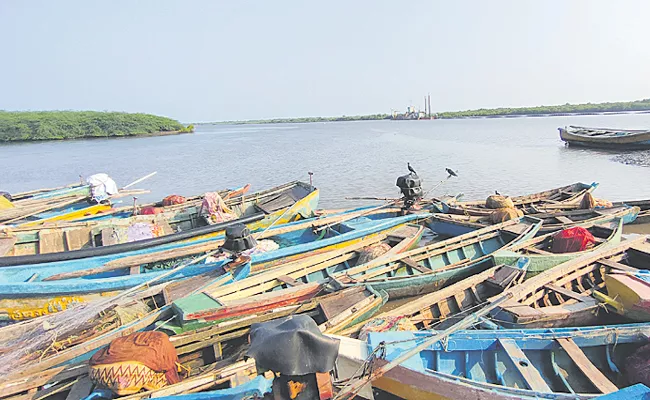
[432,267]
[538,250]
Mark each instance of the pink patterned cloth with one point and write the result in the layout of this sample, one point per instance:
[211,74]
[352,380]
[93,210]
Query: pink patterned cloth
[216,209]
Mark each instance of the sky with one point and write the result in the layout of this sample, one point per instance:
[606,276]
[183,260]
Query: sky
[208,60]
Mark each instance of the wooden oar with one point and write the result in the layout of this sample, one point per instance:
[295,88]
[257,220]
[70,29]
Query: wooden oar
[135,182]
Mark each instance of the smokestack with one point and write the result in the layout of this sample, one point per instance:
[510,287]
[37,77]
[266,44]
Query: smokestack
[425,105]
[429,98]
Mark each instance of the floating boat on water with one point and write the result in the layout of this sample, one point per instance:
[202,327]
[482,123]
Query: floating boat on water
[26,291]
[563,196]
[566,294]
[539,251]
[284,203]
[453,225]
[605,138]
[569,363]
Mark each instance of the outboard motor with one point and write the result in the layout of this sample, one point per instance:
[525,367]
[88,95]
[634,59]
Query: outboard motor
[411,188]
[238,239]
[295,348]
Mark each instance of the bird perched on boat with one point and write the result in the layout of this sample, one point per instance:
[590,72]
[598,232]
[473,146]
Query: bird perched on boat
[451,172]
[408,165]
[497,193]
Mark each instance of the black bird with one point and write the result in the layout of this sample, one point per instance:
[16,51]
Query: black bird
[451,172]
[497,193]
[408,165]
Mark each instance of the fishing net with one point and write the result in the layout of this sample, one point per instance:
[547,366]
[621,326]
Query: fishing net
[369,253]
[33,343]
[497,201]
[129,363]
[572,240]
[387,324]
[505,214]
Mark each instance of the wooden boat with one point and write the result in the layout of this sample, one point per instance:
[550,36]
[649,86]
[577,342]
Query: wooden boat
[539,249]
[446,306]
[204,351]
[564,295]
[628,294]
[453,225]
[32,212]
[287,282]
[281,204]
[644,207]
[570,363]
[564,196]
[76,188]
[27,292]
[605,138]
[399,274]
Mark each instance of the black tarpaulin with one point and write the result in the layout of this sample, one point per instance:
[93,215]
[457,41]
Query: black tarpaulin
[292,346]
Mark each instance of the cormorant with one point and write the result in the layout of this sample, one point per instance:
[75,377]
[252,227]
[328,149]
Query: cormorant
[451,172]
[497,193]
[408,165]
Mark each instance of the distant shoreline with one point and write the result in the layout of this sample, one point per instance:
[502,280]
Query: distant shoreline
[130,136]
[36,126]
[632,107]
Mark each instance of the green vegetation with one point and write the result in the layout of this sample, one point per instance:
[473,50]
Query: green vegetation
[310,119]
[638,105]
[626,106]
[56,125]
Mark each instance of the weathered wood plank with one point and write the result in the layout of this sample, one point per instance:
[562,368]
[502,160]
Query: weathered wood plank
[591,372]
[7,244]
[525,367]
[568,293]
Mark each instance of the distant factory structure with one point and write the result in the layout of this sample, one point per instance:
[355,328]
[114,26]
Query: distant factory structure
[413,113]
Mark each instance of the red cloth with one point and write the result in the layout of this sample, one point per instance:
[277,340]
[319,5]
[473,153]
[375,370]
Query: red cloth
[173,199]
[572,240]
[150,348]
[151,210]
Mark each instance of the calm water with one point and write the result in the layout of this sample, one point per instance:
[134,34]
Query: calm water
[513,156]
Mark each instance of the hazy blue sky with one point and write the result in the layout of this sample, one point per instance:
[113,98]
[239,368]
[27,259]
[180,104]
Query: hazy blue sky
[223,60]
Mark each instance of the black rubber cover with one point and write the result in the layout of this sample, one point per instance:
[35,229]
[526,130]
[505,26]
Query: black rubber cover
[292,346]
[123,247]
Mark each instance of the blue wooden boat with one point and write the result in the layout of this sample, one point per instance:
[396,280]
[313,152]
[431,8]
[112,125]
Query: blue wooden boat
[605,138]
[569,363]
[26,291]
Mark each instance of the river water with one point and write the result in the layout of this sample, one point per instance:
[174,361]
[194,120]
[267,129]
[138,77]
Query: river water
[511,155]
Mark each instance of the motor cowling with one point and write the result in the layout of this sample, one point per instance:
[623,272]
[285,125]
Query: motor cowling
[411,187]
[238,239]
